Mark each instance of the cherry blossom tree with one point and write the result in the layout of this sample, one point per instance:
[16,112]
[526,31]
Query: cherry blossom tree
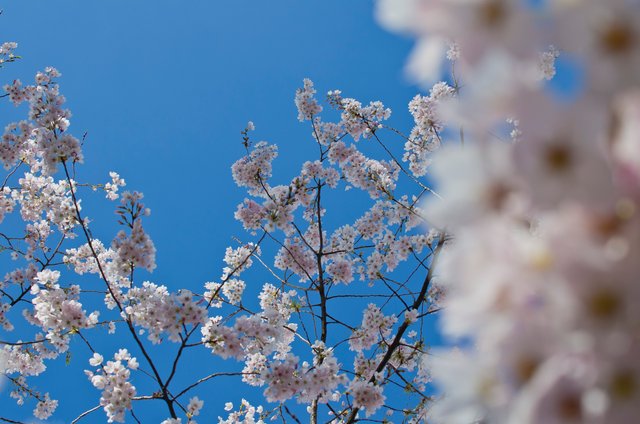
[524,238]
[312,358]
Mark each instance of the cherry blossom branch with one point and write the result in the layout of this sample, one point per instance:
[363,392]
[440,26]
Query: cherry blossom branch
[403,327]
[85,413]
[207,378]
[106,280]
[7,420]
[396,161]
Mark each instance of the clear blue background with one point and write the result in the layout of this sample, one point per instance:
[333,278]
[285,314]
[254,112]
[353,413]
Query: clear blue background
[163,88]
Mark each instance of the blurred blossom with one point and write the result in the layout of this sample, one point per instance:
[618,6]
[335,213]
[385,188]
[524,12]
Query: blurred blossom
[539,272]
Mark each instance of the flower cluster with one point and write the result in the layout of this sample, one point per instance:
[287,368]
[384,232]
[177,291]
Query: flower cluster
[45,408]
[57,309]
[113,379]
[288,378]
[254,170]
[134,250]
[153,308]
[306,103]
[425,136]
[374,326]
[367,396]
[246,414]
[6,52]
[111,188]
[265,333]
[44,142]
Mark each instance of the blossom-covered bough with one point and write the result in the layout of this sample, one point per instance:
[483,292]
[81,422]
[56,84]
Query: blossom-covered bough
[336,334]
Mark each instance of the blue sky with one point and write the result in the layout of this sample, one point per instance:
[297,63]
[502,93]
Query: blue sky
[163,89]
